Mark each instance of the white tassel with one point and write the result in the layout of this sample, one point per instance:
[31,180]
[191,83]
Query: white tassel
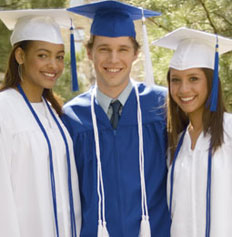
[102,229]
[145,229]
[149,77]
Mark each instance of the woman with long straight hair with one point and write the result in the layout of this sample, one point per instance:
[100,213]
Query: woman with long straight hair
[199,135]
[38,179]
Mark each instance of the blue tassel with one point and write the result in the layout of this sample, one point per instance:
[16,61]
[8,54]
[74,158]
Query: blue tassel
[214,92]
[73,62]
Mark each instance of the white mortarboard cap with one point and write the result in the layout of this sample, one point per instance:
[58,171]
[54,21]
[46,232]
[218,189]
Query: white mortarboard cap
[41,25]
[193,48]
[197,49]
[36,24]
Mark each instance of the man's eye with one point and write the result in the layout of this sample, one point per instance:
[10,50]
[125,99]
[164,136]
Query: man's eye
[123,50]
[193,78]
[104,49]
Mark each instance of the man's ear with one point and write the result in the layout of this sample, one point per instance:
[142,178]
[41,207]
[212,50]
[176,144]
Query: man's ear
[19,55]
[136,55]
[89,53]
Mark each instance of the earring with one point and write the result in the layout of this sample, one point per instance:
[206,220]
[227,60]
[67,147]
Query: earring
[20,72]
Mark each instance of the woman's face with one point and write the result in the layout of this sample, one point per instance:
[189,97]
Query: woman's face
[42,64]
[189,89]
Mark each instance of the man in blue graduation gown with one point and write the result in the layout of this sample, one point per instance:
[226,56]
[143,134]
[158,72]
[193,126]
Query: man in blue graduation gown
[120,155]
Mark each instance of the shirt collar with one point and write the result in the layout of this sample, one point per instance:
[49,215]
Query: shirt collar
[104,100]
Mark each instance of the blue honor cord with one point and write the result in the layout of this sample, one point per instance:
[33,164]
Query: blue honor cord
[52,177]
[208,194]
[173,168]
[71,204]
[208,188]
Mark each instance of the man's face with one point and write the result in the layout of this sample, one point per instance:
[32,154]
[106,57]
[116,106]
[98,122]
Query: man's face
[112,58]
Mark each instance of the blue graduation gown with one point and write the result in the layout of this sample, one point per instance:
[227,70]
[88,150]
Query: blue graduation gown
[120,163]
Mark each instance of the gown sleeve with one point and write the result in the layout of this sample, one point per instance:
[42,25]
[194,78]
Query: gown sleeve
[8,218]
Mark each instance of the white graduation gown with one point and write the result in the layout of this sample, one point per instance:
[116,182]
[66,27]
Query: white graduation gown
[189,190]
[26,204]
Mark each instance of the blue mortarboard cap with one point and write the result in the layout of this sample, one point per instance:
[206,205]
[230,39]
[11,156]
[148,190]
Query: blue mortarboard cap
[112,18]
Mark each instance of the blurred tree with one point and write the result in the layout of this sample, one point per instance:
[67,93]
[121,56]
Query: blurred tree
[20,4]
[209,15]
[64,84]
[16,4]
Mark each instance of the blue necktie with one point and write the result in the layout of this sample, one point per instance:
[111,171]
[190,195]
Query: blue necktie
[116,105]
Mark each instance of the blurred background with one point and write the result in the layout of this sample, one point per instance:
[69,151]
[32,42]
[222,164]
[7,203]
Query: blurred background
[209,15]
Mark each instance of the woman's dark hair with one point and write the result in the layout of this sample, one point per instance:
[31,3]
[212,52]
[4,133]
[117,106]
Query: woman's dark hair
[12,77]
[177,120]
[90,42]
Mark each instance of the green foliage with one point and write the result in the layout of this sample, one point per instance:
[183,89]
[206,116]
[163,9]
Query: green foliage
[20,4]
[63,86]
[64,83]
[4,47]
[208,15]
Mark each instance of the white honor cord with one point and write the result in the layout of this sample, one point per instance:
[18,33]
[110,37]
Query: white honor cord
[141,158]
[145,226]
[145,229]
[102,229]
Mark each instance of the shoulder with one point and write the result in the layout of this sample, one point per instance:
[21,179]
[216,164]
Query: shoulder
[227,120]
[8,93]
[227,125]
[8,98]
[77,112]
[154,89]
[82,100]
[156,94]
[153,102]
[12,107]
[79,103]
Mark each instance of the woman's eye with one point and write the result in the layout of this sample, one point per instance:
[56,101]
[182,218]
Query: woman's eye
[173,80]
[42,55]
[61,57]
